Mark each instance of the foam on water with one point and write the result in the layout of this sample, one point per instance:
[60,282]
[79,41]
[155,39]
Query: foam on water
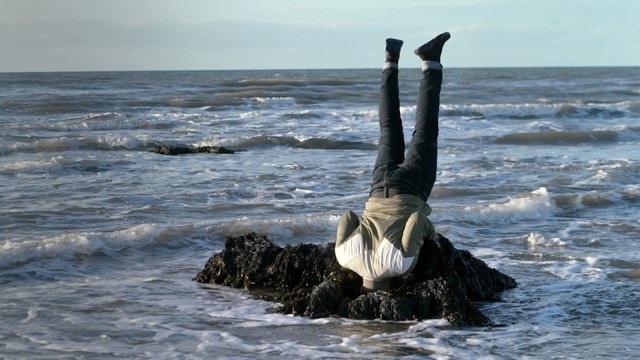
[559,138]
[537,240]
[32,164]
[71,245]
[536,204]
[102,142]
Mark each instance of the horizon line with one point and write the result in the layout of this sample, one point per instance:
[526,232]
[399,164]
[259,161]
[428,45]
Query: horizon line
[314,69]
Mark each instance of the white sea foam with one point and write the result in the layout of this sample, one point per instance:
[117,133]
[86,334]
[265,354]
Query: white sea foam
[72,245]
[542,110]
[524,110]
[536,204]
[578,270]
[32,314]
[275,100]
[535,240]
[78,244]
[32,164]
[120,141]
[86,122]
[61,144]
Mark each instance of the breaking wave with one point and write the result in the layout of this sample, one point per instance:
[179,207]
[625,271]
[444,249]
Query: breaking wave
[559,137]
[533,111]
[312,143]
[72,245]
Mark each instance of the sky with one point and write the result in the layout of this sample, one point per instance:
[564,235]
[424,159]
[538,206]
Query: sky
[104,35]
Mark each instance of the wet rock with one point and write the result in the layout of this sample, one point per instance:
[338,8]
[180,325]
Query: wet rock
[180,150]
[307,280]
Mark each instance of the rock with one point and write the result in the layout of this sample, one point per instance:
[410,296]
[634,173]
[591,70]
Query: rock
[307,280]
[180,150]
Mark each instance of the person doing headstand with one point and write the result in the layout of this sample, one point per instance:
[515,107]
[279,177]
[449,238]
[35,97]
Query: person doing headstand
[386,242]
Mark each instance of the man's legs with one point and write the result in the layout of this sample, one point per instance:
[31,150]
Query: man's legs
[391,144]
[417,173]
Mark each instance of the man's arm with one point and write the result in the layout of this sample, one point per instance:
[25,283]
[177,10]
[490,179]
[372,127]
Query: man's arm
[417,229]
[346,225]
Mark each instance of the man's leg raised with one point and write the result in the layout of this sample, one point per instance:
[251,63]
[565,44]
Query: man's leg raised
[391,143]
[423,150]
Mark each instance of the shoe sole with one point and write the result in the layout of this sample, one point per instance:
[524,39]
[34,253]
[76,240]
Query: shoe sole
[394,43]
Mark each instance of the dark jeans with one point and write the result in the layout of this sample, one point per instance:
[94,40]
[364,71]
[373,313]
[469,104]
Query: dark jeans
[415,174]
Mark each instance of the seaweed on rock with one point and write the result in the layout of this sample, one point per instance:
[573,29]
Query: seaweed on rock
[307,280]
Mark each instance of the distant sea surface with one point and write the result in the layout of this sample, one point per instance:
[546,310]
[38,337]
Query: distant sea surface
[538,176]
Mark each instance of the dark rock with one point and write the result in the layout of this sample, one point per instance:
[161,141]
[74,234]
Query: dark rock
[307,280]
[180,150]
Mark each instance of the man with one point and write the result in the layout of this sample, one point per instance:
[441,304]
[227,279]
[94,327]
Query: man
[386,242]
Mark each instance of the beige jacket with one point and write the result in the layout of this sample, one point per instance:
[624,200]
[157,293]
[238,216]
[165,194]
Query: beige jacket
[387,241]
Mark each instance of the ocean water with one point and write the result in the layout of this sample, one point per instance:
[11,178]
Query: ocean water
[99,238]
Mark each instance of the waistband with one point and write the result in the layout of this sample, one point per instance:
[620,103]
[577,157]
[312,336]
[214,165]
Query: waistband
[383,192]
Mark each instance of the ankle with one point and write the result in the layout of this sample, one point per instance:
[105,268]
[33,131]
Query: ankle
[431,65]
[390,65]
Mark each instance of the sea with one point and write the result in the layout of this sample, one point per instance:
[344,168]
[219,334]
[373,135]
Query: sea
[538,176]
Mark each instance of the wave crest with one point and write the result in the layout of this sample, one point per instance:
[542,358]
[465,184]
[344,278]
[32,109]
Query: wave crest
[532,205]
[72,245]
[312,143]
[558,137]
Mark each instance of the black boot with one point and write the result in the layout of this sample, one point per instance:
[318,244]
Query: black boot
[432,50]
[393,50]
